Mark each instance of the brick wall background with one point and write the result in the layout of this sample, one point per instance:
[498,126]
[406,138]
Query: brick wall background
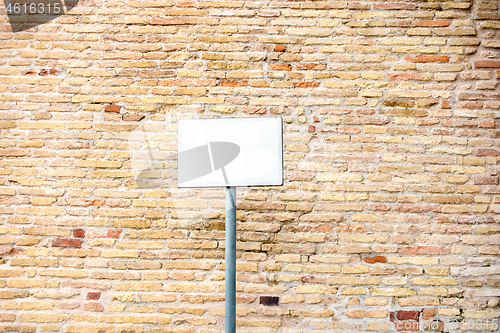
[390,209]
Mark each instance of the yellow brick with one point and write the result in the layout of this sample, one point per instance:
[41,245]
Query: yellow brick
[415,301]
[355,269]
[435,281]
[120,254]
[133,319]
[89,329]
[305,289]
[27,305]
[339,177]
[354,291]
[83,318]
[43,317]
[400,292]
[366,218]
[138,286]
[42,201]
[433,291]
[484,314]
[317,314]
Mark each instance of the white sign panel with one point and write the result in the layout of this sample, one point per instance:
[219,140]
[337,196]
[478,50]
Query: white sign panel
[230,152]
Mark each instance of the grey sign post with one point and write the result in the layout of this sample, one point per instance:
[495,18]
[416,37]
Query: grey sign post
[230,276]
[228,153]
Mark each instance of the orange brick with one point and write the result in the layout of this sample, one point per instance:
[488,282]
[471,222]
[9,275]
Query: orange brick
[424,59]
[430,23]
[280,67]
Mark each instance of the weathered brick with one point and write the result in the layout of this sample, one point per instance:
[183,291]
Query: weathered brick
[424,59]
[487,64]
[112,108]
[67,242]
[391,185]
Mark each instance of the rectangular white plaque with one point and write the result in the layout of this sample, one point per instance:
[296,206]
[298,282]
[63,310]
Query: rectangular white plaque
[230,152]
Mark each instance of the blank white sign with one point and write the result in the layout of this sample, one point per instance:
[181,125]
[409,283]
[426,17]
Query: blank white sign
[230,152]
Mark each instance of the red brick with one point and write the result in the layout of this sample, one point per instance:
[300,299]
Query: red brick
[351,228]
[407,315]
[114,233]
[67,242]
[348,130]
[324,228]
[487,152]
[487,64]
[93,295]
[79,233]
[470,105]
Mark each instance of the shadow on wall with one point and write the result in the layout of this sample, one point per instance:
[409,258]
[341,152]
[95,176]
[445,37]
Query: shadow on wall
[27,14]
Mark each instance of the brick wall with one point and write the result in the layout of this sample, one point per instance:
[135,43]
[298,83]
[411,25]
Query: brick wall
[390,209]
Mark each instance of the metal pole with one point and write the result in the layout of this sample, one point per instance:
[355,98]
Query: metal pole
[230,292]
